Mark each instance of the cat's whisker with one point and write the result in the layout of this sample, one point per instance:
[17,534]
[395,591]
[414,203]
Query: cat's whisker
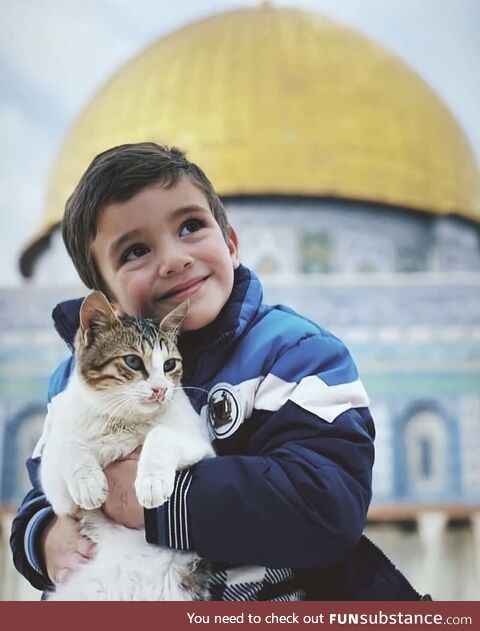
[132,390]
[116,401]
[190,388]
[115,415]
[118,408]
[130,408]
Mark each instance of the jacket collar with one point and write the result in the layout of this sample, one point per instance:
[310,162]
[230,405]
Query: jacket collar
[66,318]
[235,317]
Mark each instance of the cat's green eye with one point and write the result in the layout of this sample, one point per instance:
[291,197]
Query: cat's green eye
[134,362]
[169,365]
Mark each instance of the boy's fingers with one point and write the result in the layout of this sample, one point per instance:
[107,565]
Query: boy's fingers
[133,455]
[85,547]
[75,560]
[77,513]
[62,575]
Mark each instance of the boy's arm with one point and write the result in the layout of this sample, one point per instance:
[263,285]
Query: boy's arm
[28,527]
[300,494]
[35,514]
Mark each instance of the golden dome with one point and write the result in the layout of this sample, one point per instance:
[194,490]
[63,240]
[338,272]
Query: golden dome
[284,102]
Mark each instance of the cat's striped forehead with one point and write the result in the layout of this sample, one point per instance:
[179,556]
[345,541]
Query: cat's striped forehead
[146,330]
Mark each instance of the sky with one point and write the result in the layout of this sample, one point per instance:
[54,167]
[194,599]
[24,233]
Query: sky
[56,54]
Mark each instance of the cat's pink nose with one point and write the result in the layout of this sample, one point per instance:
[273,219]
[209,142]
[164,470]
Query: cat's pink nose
[158,394]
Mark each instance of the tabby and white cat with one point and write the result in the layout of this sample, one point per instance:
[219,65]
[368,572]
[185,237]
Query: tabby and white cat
[124,392]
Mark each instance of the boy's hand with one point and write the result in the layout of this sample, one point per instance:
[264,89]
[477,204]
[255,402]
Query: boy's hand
[64,548]
[121,504]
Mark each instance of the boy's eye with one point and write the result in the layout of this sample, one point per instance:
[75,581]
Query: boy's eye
[190,226]
[134,252]
[134,362]
[169,365]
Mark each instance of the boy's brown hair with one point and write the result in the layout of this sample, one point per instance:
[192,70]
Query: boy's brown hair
[116,175]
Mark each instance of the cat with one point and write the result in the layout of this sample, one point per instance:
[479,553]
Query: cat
[124,392]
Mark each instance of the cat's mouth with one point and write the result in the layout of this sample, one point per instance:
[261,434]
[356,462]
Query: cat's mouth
[157,396]
[183,290]
[150,404]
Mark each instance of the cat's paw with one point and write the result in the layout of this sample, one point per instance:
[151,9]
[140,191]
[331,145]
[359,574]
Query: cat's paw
[88,488]
[154,489]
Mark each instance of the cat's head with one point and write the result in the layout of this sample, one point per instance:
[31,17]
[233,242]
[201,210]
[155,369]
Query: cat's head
[132,364]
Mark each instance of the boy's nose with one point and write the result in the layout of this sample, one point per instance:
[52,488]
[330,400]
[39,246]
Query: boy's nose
[174,262]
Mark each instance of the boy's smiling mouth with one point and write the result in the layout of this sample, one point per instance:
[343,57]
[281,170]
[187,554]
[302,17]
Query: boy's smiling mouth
[183,290]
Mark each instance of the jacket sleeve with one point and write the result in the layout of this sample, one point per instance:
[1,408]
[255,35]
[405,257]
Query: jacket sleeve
[35,512]
[299,493]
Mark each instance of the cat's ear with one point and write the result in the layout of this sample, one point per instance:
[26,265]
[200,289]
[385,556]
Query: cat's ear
[171,323]
[95,311]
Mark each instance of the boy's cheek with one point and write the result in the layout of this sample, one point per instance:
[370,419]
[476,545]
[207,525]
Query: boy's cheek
[131,298]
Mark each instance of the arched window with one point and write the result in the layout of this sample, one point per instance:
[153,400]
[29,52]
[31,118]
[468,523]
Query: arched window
[316,253]
[426,456]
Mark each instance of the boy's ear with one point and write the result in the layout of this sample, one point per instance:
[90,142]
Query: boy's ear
[172,322]
[233,247]
[95,310]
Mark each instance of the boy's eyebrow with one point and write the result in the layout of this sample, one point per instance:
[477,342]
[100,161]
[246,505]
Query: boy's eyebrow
[132,234]
[184,210]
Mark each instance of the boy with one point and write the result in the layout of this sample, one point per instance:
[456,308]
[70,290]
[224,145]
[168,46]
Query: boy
[281,510]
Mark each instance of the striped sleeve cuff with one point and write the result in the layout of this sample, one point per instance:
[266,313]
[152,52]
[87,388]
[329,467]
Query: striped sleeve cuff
[168,525]
[32,534]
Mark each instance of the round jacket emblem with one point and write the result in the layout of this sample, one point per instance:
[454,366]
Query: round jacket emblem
[225,412]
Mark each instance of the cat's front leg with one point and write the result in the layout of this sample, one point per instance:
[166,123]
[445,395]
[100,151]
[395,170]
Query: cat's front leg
[159,461]
[55,488]
[84,478]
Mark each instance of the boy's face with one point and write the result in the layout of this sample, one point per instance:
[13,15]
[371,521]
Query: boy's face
[161,247]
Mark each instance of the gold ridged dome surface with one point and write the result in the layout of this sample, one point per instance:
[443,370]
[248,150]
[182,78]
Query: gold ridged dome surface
[285,102]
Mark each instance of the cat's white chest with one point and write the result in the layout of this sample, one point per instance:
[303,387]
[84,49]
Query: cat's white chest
[117,441]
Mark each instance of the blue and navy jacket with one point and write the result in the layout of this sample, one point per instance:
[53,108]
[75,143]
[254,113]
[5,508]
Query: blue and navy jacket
[281,509]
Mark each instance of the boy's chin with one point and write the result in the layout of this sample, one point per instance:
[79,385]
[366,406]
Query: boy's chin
[197,317]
